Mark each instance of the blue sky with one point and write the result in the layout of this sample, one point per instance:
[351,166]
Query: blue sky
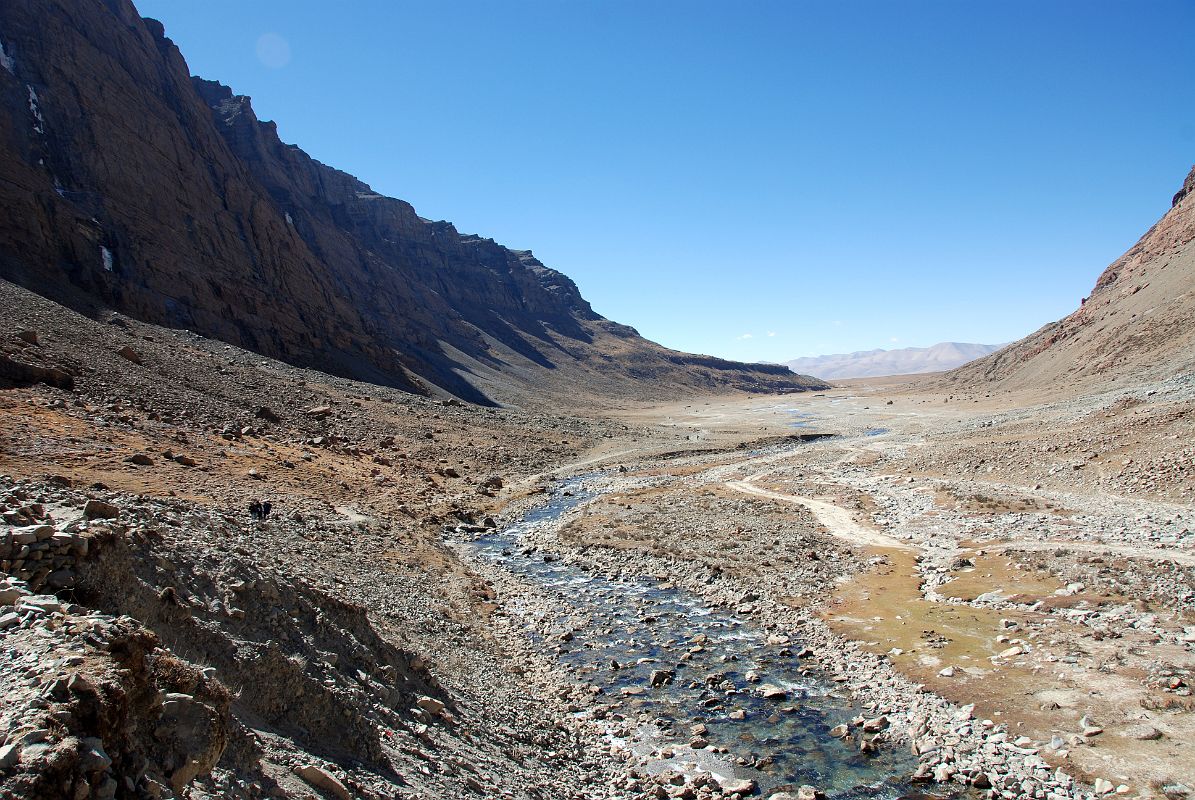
[757,180]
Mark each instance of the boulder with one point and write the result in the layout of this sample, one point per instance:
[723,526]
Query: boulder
[320,778]
[194,734]
[875,724]
[429,704]
[737,786]
[1144,733]
[21,373]
[31,534]
[9,755]
[92,757]
[662,677]
[98,509]
[1089,728]
[129,354]
[43,602]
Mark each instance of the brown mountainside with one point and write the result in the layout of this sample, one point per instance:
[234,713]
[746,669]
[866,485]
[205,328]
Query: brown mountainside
[1138,323]
[129,185]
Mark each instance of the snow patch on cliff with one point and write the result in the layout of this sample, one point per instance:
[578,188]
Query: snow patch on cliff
[35,109]
[7,61]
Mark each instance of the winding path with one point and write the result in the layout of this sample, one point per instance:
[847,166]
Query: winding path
[836,519]
[1128,550]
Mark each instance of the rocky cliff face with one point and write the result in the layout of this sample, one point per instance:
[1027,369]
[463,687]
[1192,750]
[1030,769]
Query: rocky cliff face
[1138,322]
[130,185]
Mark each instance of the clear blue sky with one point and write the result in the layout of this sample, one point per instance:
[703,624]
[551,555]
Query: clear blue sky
[757,180]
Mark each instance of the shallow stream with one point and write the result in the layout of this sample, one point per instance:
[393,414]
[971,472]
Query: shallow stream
[710,667]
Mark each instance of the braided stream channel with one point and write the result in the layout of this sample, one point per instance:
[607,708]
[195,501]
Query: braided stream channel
[635,629]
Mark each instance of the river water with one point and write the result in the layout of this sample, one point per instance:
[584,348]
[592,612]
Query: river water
[717,665]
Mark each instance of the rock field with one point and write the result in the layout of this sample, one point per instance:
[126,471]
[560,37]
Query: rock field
[1000,586]
[305,496]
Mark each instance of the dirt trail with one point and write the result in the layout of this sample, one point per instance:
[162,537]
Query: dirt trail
[576,465]
[948,479]
[837,520]
[1157,553]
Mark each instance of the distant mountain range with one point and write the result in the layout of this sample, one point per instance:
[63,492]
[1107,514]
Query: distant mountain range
[904,361]
[1138,324]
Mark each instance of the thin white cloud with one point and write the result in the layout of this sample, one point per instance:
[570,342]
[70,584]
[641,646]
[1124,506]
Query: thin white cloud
[746,336]
[771,333]
[893,339]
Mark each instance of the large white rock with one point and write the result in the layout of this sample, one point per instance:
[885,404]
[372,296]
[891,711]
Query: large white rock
[322,779]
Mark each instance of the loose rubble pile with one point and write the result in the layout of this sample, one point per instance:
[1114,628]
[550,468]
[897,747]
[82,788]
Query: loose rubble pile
[309,671]
[336,647]
[36,553]
[94,707]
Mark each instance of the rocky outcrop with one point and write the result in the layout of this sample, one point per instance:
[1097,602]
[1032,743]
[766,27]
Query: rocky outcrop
[94,708]
[130,185]
[15,372]
[23,362]
[1187,189]
[190,656]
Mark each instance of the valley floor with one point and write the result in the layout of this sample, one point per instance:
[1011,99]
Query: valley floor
[1010,581]
[1007,554]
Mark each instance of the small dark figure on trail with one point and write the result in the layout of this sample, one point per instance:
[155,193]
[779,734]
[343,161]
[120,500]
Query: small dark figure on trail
[256,510]
[265,509]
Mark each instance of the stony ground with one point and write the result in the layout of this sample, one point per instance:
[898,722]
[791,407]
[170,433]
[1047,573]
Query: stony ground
[1006,580]
[355,653]
[984,551]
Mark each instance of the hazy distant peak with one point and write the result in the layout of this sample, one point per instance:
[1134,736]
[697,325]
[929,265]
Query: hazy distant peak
[902,361]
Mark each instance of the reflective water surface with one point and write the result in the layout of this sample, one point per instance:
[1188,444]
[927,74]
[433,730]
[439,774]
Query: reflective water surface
[653,648]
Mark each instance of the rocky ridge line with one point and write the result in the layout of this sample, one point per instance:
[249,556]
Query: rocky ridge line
[131,186]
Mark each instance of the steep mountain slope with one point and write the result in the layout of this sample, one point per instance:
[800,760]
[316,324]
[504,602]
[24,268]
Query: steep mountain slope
[902,361]
[1138,323]
[128,185]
